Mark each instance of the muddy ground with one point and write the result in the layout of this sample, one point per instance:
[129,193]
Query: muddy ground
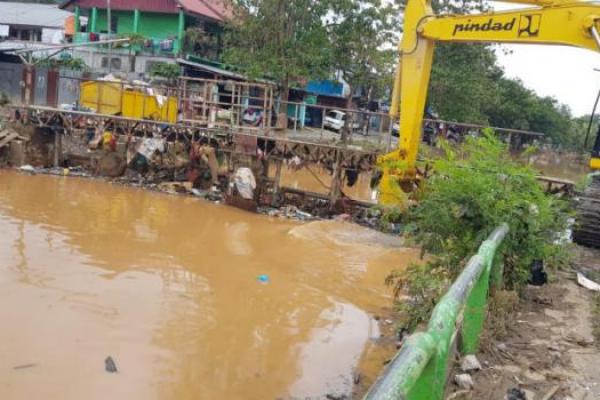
[548,350]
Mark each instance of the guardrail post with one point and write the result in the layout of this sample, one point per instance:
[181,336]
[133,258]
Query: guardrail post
[411,374]
[497,274]
[476,305]
[474,315]
[420,370]
[441,328]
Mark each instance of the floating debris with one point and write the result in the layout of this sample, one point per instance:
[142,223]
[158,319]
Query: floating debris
[110,366]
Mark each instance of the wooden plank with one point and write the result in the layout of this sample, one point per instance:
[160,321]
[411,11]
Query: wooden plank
[9,138]
[551,179]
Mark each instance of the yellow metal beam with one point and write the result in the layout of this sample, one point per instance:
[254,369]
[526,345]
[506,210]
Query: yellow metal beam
[410,93]
[551,22]
[566,24]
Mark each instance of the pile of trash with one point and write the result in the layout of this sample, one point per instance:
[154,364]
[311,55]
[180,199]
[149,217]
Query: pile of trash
[289,212]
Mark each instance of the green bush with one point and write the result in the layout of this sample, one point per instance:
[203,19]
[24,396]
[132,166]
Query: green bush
[474,190]
[75,64]
[165,70]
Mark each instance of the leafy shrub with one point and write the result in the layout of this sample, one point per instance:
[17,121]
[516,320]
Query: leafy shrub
[165,70]
[75,64]
[474,190]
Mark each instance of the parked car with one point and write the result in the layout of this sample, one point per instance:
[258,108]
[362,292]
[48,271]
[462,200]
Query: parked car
[335,120]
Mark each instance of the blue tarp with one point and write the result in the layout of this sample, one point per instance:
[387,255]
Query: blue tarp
[326,88]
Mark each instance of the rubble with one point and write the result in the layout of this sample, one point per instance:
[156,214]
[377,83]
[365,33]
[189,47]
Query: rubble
[464,381]
[192,167]
[470,363]
[516,394]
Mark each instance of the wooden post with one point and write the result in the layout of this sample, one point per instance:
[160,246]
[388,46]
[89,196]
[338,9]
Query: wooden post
[323,115]
[29,79]
[277,183]
[336,180]
[57,148]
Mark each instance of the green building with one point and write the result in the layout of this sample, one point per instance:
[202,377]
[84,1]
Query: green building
[159,25]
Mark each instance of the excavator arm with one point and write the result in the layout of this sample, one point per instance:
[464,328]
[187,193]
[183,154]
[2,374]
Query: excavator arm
[548,23]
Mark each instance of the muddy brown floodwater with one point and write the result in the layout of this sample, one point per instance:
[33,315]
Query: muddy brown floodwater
[168,287]
[318,180]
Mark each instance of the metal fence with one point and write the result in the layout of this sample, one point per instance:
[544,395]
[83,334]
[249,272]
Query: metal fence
[49,87]
[323,120]
[237,105]
[420,370]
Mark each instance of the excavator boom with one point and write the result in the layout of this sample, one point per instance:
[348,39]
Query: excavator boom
[548,23]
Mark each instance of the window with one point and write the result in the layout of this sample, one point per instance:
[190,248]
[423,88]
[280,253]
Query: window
[115,63]
[114,23]
[33,35]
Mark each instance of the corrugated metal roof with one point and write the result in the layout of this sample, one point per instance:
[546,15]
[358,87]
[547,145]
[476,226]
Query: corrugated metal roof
[157,6]
[221,72]
[200,8]
[217,10]
[33,14]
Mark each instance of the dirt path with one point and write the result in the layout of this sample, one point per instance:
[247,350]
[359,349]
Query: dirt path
[549,351]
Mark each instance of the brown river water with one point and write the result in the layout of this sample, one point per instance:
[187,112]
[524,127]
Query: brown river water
[319,181]
[168,287]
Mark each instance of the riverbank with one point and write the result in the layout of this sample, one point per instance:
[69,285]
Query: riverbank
[299,210]
[544,347]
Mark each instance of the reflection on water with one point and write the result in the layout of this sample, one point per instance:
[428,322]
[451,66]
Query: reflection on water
[318,180]
[167,286]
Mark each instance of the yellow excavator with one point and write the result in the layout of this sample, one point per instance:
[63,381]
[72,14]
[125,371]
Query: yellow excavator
[546,22]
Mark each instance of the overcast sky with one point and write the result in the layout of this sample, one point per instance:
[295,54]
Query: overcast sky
[562,72]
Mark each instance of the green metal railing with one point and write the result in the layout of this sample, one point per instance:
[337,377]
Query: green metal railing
[419,371]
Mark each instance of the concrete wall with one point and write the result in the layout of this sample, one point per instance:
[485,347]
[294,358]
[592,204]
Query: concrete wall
[141,63]
[152,25]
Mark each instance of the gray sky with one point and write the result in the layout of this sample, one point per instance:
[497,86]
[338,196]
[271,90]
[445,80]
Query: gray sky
[562,72]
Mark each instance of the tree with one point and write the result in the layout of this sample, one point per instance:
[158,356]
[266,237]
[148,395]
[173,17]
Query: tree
[463,82]
[361,35]
[198,40]
[284,40]
[579,128]
[468,85]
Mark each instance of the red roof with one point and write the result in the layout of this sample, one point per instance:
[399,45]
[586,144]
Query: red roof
[217,10]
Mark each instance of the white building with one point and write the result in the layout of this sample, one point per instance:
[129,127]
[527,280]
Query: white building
[32,22]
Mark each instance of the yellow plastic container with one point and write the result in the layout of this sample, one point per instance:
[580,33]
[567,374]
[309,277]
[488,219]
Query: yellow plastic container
[115,98]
